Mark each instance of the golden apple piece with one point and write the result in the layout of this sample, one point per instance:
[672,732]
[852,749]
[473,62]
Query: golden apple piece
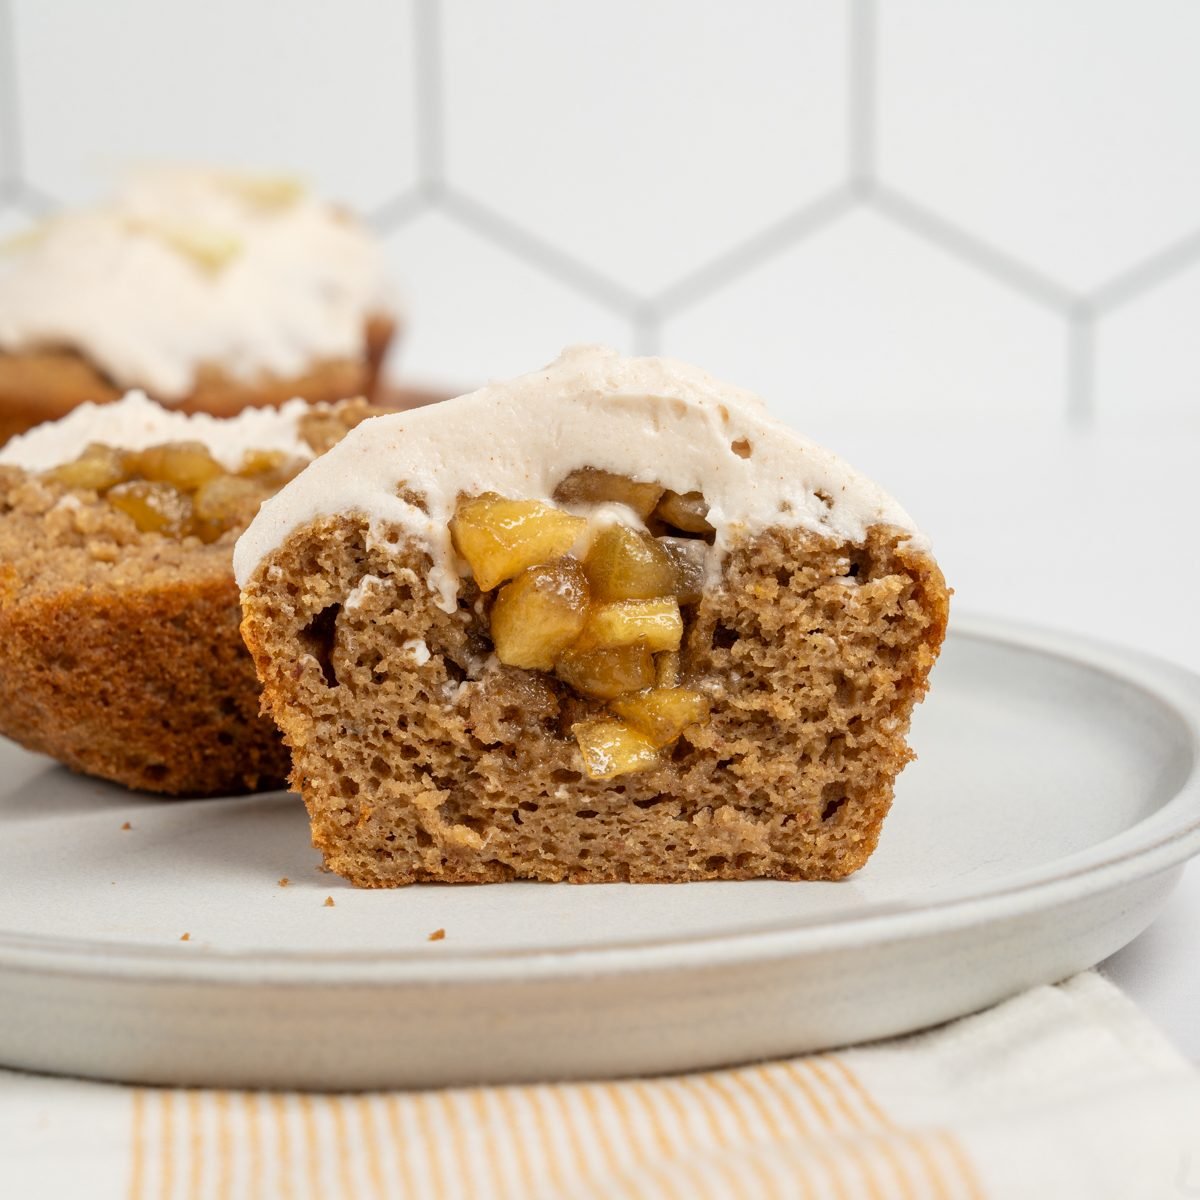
[184,465]
[662,713]
[590,485]
[605,673]
[98,468]
[153,507]
[209,248]
[688,556]
[611,748]
[684,510]
[655,624]
[667,668]
[500,538]
[625,564]
[222,503]
[538,615]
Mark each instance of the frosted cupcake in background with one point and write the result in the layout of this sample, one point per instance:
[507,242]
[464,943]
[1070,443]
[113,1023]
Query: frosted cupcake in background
[118,609]
[212,291]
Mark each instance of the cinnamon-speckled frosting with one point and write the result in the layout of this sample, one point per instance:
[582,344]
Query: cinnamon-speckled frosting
[646,418]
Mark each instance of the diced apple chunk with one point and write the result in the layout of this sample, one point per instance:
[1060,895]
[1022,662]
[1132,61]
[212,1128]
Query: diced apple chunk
[97,468]
[656,624]
[662,713]
[538,615]
[624,564]
[153,507]
[688,557]
[500,537]
[593,486]
[667,668]
[605,673]
[611,748]
[685,510]
[263,462]
[222,503]
[184,465]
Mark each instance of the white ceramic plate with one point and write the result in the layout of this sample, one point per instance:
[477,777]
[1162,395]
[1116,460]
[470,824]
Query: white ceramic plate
[1055,798]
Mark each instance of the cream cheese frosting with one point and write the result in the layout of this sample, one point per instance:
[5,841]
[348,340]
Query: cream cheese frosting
[190,267]
[135,422]
[646,418]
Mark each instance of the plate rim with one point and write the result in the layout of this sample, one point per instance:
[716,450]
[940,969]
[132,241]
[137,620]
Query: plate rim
[1123,859]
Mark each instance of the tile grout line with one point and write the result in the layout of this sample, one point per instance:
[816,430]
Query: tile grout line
[755,251]
[392,214]
[1147,275]
[508,235]
[10,122]
[862,79]
[969,249]
[430,94]
[647,332]
[1081,368]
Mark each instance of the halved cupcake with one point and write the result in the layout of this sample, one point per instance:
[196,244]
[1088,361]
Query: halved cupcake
[118,609]
[607,621]
[212,291]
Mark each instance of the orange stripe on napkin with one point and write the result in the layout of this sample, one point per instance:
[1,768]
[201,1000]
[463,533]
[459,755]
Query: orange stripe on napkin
[167,1143]
[137,1148]
[915,1141]
[195,1143]
[283,1146]
[391,1107]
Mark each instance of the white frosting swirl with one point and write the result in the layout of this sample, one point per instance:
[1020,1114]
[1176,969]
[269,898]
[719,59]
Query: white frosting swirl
[135,422]
[191,267]
[647,418]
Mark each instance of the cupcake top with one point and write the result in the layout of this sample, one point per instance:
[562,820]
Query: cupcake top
[648,419]
[188,268]
[136,422]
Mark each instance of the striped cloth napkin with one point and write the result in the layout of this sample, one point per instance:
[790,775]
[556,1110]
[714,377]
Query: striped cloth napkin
[1064,1092]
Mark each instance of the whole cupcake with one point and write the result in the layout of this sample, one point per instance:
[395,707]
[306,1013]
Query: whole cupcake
[118,610]
[209,290]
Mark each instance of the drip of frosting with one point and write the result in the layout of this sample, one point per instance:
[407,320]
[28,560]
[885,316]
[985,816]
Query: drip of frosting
[188,268]
[135,422]
[650,419]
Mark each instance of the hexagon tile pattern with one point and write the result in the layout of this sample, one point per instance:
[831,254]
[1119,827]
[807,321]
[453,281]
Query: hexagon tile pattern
[1066,133]
[460,292]
[644,139]
[857,319]
[932,210]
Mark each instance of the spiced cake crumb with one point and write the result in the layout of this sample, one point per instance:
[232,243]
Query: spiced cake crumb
[605,622]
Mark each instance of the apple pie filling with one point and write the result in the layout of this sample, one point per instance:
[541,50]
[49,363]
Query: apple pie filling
[599,605]
[178,489]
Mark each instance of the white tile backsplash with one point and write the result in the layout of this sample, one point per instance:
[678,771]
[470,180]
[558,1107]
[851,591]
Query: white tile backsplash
[645,139]
[1066,133]
[668,176]
[870,321]
[461,293]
